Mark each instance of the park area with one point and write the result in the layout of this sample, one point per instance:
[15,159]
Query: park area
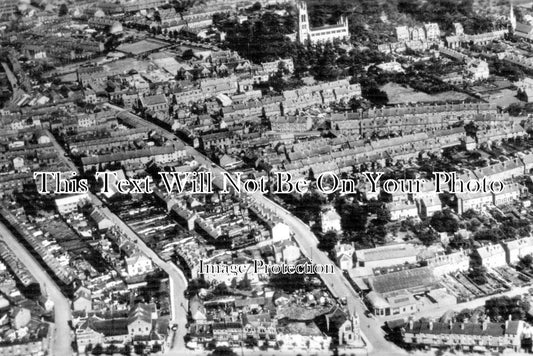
[403,94]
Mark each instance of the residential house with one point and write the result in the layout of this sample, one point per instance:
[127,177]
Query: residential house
[475,201]
[82,300]
[20,317]
[442,264]
[68,204]
[280,232]
[510,193]
[400,210]
[330,220]
[488,336]
[344,254]
[286,251]
[140,319]
[102,222]
[492,255]
[518,248]
[138,264]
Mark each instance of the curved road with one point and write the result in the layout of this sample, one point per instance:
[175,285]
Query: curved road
[62,313]
[177,281]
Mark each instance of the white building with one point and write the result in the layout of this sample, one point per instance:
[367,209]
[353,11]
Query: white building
[320,34]
[280,232]
[138,264]
[286,251]
[454,262]
[68,204]
[510,193]
[402,210]
[330,220]
[477,69]
[428,32]
[344,256]
[273,67]
[386,256]
[429,205]
[476,201]
[492,255]
[515,249]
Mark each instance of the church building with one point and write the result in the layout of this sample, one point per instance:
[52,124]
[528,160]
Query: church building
[319,34]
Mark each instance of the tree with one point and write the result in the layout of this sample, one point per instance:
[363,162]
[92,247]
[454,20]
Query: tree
[525,262]
[126,350]
[375,95]
[187,55]
[376,234]
[492,235]
[478,274]
[500,308]
[194,287]
[111,349]
[223,351]
[288,282]
[256,7]
[428,237]
[63,10]
[245,283]
[98,350]
[444,221]
[221,289]
[353,217]
[327,241]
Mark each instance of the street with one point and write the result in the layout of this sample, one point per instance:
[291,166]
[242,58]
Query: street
[62,312]
[178,282]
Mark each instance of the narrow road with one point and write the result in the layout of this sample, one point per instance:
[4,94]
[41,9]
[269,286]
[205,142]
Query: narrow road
[177,281]
[62,313]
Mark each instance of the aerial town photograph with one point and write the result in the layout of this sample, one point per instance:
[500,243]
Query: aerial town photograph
[266,177]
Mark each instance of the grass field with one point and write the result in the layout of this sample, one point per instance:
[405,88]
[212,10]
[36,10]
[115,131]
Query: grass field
[399,94]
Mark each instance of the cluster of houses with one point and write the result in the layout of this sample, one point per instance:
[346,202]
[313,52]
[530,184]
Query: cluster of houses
[24,331]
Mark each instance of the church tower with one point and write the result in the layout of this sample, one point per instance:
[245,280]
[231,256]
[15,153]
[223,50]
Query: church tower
[512,18]
[303,22]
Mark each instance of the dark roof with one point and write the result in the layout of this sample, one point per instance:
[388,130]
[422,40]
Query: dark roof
[249,301]
[416,278]
[224,326]
[109,327]
[336,318]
